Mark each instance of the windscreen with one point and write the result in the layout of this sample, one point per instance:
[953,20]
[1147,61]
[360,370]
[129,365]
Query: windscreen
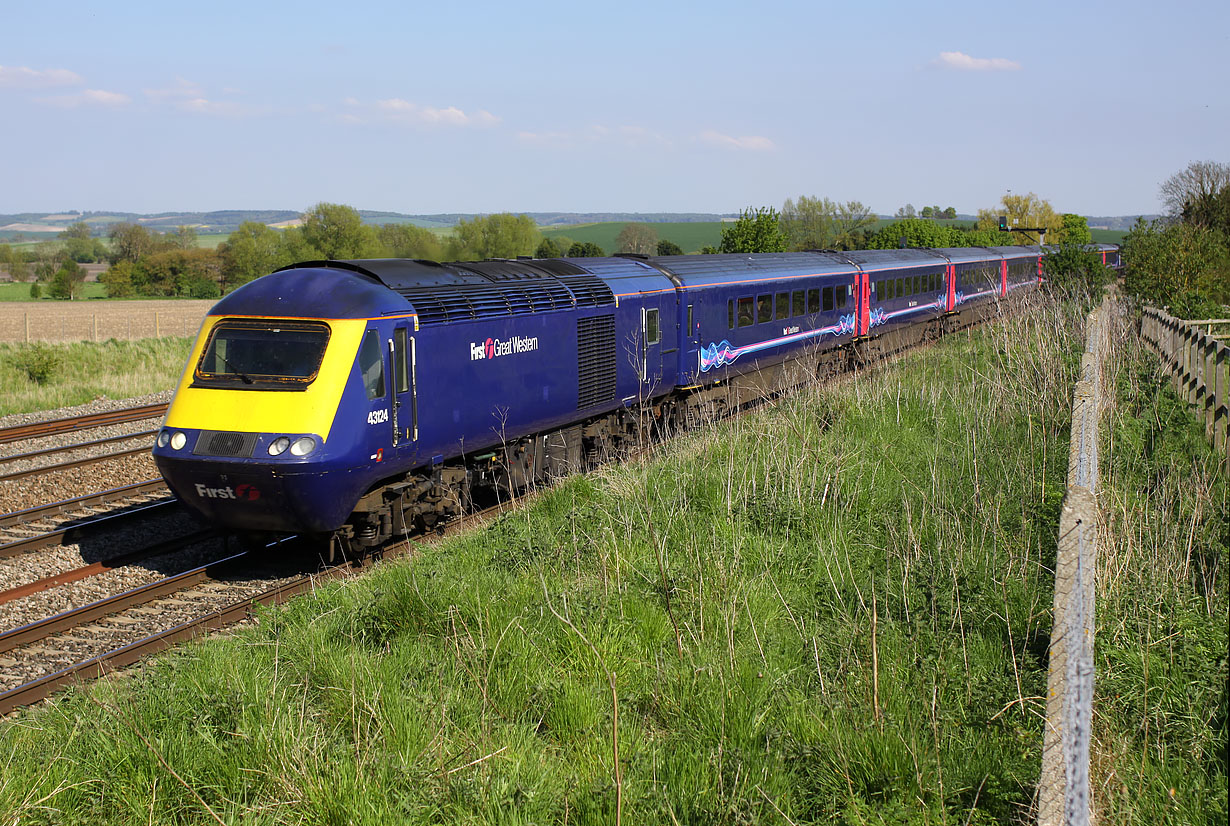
[264,354]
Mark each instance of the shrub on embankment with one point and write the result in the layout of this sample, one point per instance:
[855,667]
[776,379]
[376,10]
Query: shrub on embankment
[833,610]
[48,376]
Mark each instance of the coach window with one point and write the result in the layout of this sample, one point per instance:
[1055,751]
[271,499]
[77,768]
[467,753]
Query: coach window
[798,305]
[813,301]
[783,305]
[730,314]
[764,308]
[918,287]
[842,292]
[371,365]
[900,289]
[745,312]
[653,334]
[828,299]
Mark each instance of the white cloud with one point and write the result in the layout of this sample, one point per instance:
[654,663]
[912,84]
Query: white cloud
[23,77]
[404,111]
[88,97]
[963,62]
[752,143]
[182,89]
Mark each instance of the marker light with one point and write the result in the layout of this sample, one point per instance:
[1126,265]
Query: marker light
[303,446]
[178,440]
[164,438]
[279,445]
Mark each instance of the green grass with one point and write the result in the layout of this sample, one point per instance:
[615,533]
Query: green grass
[835,610]
[690,236]
[87,370]
[21,291]
[1162,638]
[1107,236]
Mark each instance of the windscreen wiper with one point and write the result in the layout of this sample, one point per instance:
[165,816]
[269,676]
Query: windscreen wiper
[246,378]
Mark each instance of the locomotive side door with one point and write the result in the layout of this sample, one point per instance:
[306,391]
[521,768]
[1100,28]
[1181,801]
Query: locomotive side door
[651,338]
[403,407]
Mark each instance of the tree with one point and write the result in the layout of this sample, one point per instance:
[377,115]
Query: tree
[1075,230]
[67,281]
[409,241]
[917,232]
[585,249]
[251,251]
[808,224]
[184,238]
[503,235]
[928,212]
[130,242]
[851,221]
[79,246]
[950,213]
[17,266]
[548,249]
[336,231]
[117,280]
[1210,211]
[756,230]
[1022,211]
[189,273]
[1200,178]
[1180,266]
[906,211]
[708,249]
[666,247]
[638,238]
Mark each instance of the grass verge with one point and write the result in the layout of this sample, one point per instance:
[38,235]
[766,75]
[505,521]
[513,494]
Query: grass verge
[834,610]
[83,371]
[1159,753]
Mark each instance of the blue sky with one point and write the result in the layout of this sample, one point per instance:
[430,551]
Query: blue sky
[629,106]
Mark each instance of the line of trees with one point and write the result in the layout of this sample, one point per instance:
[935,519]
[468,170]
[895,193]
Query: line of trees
[1182,262]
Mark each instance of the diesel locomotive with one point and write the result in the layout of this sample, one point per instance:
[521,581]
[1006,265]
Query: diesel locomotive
[352,401]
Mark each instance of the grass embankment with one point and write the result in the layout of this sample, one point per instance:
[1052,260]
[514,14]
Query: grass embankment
[835,610]
[82,371]
[1159,753]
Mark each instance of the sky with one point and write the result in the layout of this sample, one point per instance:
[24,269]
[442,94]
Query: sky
[631,106]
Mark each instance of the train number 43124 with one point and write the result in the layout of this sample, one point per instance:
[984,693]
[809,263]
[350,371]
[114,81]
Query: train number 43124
[378,416]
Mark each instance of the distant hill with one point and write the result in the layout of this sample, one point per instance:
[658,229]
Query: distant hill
[34,226]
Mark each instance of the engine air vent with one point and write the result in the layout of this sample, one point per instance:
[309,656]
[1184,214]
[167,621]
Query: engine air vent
[595,360]
[225,443]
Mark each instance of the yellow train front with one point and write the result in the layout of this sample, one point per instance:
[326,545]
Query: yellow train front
[264,428]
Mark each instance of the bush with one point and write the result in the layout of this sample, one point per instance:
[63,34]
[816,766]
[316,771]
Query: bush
[38,361]
[35,290]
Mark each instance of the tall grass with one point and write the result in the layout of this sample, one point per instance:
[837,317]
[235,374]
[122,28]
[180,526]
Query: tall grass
[834,610]
[1162,645]
[86,370]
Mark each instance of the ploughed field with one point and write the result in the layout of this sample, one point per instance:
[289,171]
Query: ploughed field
[34,321]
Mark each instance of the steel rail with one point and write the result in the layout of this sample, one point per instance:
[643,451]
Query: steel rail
[96,568]
[58,536]
[68,506]
[17,457]
[74,463]
[70,423]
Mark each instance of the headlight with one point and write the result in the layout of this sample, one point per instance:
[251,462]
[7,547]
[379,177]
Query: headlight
[178,440]
[303,446]
[164,438]
[279,445]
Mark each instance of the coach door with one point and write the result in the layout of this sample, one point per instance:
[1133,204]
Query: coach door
[658,330]
[404,414]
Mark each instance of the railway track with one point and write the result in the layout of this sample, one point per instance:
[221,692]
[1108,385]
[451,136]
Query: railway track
[69,519]
[111,633]
[69,424]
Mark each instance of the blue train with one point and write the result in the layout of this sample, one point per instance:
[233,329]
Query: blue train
[355,400]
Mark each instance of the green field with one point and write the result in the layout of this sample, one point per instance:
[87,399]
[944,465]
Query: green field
[690,236]
[21,291]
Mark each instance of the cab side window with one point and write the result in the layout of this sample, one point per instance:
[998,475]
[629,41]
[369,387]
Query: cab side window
[371,365]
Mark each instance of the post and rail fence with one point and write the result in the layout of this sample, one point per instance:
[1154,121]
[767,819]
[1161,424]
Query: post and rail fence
[1197,361]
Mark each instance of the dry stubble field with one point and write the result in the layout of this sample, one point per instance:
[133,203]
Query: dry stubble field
[29,321]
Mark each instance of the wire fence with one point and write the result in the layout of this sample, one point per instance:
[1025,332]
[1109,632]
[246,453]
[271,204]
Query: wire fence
[57,321]
[1064,784]
[1197,360]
